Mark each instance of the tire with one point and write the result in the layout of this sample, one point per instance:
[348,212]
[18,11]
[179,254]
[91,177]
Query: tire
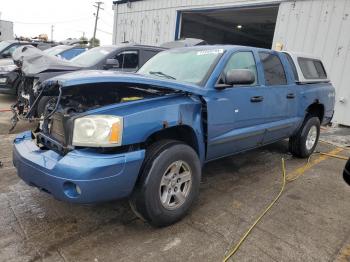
[303,143]
[346,174]
[152,201]
[42,105]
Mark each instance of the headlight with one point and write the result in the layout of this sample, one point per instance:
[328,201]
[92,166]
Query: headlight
[8,68]
[98,131]
[3,80]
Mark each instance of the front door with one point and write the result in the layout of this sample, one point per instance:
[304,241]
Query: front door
[236,114]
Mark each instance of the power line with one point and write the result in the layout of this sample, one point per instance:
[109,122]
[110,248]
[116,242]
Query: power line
[104,31]
[55,22]
[98,6]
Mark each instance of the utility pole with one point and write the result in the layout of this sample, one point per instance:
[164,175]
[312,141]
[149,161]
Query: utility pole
[98,6]
[52,28]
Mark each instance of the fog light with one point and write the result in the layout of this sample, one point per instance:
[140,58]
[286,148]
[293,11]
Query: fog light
[71,190]
[3,80]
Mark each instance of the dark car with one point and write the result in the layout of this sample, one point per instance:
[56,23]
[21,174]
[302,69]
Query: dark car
[123,57]
[346,173]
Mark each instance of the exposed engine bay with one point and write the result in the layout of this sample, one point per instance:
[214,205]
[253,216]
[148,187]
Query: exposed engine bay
[56,125]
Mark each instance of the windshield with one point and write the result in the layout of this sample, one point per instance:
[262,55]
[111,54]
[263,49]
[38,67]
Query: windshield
[3,45]
[191,65]
[55,50]
[93,56]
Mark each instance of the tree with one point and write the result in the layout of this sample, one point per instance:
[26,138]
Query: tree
[97,42]
[84,41]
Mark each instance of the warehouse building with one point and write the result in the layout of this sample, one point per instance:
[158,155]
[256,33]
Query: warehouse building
[319,27]
[6,30]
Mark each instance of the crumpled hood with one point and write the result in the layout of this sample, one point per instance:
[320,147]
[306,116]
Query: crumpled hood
[34,61]
[88,77]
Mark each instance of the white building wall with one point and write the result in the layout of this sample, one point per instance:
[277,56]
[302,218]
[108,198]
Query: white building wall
[319,27]
[322,28]
[154,21]
[6,30]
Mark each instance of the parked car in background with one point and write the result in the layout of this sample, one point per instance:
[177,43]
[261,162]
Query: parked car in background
[66,52]
[123,57]
[10,75]
[146,136]
[9,46]
[346,173]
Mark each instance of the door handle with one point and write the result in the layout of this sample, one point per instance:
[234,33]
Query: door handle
[291,96]
[256,99]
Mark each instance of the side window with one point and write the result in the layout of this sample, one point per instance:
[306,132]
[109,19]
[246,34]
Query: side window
[242,60]
[10,50]
[312,68]
[128,60]
[69,54]
[273,69]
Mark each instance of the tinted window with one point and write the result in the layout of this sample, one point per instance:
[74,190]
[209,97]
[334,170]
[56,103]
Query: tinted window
[311,68]
[273,69]
[128,59]
[242,60]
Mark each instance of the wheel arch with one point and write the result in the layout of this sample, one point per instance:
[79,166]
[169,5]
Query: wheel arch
[183,133]
[316,109]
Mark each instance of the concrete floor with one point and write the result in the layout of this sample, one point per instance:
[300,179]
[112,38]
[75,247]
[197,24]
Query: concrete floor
[309,223]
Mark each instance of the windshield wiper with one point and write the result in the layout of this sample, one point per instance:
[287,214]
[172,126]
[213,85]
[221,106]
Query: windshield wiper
[161,74]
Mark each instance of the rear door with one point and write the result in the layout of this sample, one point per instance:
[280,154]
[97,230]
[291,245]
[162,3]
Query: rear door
[236,114]
[279,122]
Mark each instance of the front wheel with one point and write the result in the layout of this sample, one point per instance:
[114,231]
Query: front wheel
[305,141]
[169,183]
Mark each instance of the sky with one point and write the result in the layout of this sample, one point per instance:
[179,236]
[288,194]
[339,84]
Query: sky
[70,18]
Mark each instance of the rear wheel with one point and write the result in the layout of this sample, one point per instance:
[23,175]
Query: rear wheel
[303,143]
[169,183]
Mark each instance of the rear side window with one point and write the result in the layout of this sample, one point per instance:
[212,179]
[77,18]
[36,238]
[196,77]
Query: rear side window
[273,69]
[312,68]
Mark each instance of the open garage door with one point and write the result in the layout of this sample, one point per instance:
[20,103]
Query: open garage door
[251,26]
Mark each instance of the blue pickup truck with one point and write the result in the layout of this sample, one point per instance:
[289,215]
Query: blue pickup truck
[146,135]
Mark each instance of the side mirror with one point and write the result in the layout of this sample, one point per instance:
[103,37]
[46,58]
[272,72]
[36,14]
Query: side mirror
[112,63]
[239,77]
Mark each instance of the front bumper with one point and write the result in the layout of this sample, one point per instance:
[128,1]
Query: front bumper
[81,176]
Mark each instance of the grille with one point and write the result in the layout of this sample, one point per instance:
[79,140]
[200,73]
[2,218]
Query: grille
[57,128]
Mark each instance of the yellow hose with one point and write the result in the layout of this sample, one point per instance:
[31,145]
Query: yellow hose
[337,150]
[234,250]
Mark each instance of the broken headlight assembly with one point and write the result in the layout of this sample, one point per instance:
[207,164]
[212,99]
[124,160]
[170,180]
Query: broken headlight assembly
[98,131]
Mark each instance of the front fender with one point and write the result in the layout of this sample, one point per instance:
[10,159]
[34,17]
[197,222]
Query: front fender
[146,117]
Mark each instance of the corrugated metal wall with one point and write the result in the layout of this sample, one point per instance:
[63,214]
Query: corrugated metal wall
[6,30]
[320,27]
[154,21]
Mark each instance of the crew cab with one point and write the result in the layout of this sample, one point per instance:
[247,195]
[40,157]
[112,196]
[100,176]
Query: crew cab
[146,135]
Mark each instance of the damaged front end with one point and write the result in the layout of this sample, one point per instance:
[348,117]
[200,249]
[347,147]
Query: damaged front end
[56,127]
